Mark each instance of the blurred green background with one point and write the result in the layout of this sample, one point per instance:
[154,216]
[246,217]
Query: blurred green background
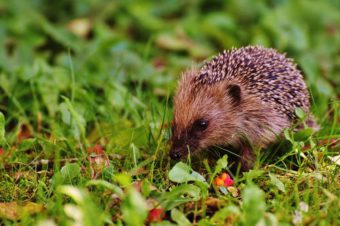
[76,73]
[114,59]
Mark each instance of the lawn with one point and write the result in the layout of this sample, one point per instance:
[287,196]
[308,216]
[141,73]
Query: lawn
[86,93]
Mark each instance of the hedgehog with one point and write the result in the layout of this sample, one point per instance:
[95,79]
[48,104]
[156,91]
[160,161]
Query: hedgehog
[242,98]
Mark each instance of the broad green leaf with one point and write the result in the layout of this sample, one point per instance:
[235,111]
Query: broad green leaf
[179,195]
[65,113]
[303,134]
[275,181]
[205,222]
[73,212]
[134,208]
[300,113]
[254,205]
[125,136]
[288,136]
[108,173]
[253,174]
[123,179]
[27,144]
[179,218]
[146,188]
[182,173]
[220,216]
[90,213]
[78,122]
[102,183]
[221,164]
[69,172]
[270,219]
[78,195]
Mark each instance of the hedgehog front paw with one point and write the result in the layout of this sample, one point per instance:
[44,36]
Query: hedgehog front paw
[247,158]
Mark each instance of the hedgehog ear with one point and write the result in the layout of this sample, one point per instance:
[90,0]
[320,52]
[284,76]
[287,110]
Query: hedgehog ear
[234,91]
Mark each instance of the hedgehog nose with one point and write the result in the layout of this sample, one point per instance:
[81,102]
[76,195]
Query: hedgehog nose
[175,154]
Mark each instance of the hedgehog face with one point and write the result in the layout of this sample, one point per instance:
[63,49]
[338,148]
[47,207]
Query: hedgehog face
[204,116]
[187,140]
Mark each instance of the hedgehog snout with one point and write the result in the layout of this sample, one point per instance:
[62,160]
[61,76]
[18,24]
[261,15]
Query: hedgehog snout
[181,148]
[178,150]
[175,154]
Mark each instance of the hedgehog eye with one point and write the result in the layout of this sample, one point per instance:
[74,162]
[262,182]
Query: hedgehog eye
[201,124]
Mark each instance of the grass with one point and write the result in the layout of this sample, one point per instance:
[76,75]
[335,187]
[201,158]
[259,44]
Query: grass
[86,99]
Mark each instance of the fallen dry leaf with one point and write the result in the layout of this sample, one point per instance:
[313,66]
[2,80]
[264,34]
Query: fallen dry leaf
[233,191]
[15,211]
[98,160]
[20,174]
[97,164]
[212,205]
[24,133]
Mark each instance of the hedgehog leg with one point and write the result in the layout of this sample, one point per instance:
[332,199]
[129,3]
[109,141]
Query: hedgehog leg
[247,158]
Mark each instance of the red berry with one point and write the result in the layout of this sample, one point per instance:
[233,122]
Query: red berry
[225,176]
[219,182]
[156,215]
[228,182]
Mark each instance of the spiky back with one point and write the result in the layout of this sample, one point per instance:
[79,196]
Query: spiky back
[262,72]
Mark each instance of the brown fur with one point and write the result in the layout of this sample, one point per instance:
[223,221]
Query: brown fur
[250,123]
[229,125]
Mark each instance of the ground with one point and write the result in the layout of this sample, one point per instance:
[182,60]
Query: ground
[86,100]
